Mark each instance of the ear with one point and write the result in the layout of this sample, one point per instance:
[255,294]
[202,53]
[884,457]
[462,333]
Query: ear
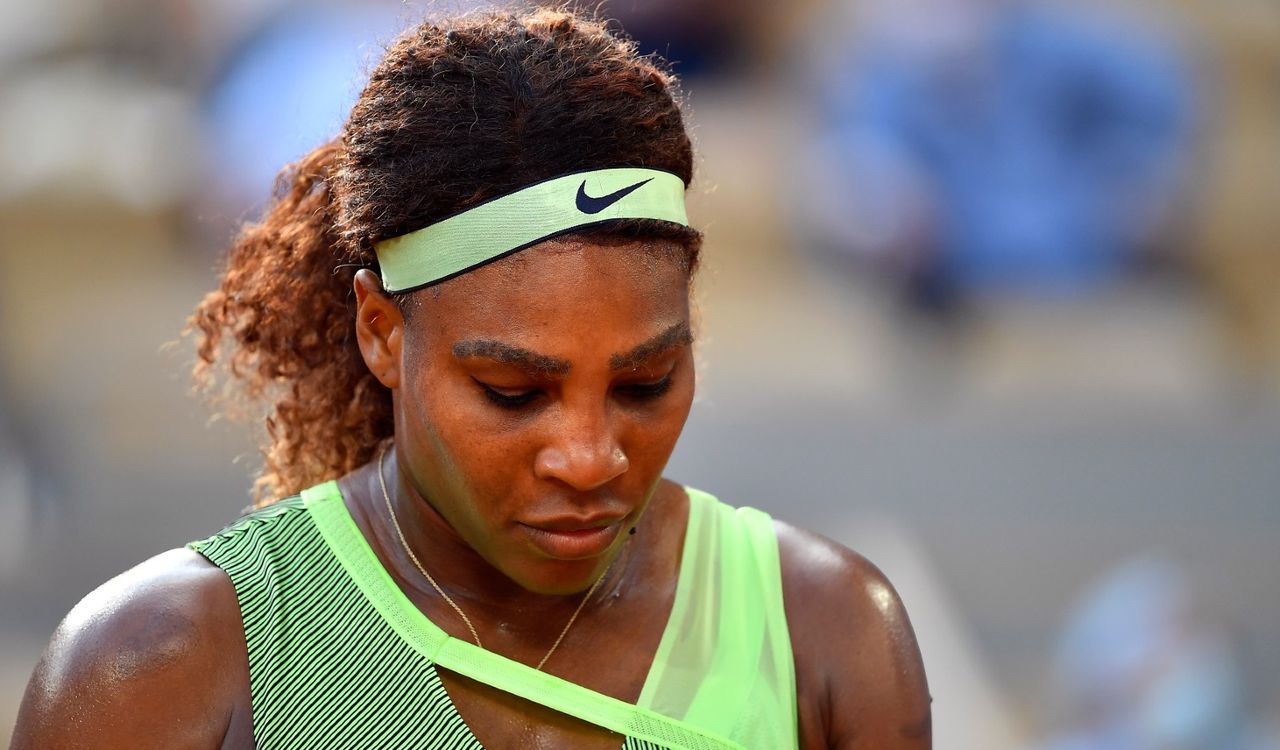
[379,328]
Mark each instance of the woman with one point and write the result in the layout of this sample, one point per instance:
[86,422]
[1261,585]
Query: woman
[470,315]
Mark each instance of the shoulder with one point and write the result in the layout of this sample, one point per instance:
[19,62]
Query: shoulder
[859,676]
[142,660]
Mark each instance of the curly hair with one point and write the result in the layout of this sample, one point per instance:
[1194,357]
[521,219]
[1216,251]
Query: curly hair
[457,112]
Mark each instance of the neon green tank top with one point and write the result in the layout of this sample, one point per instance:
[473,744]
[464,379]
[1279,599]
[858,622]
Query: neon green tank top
[340,658]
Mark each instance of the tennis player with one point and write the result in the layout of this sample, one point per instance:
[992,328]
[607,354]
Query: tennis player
[469,316]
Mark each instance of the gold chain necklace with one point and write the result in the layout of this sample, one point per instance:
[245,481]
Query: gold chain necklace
[403,543]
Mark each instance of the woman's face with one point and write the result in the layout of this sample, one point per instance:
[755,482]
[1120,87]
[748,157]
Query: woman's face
[540,398]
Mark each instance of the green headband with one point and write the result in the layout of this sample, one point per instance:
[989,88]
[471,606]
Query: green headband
[512,222]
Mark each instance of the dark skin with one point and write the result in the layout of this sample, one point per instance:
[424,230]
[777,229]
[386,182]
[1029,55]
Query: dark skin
[548,386]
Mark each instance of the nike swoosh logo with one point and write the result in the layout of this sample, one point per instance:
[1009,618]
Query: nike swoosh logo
[589,205]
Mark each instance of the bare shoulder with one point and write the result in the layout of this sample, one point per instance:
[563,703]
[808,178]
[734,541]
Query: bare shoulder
[859,676]
[152,658]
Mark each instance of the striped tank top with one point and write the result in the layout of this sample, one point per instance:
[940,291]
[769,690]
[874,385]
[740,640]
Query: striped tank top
[340,658]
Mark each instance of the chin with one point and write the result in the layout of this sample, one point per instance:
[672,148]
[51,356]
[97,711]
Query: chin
[562,577]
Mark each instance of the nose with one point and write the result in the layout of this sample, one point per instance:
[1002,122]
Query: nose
[583,453]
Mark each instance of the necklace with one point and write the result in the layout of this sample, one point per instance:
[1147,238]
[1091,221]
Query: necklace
[403,543]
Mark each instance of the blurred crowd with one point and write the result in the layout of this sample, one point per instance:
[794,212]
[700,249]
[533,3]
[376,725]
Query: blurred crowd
[951,154]
[969,148]
[1141,664]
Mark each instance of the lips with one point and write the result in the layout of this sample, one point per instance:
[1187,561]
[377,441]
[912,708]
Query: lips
[575,523]
[573,538]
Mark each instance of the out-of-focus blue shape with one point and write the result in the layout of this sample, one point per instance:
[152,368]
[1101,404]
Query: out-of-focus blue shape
[700,38]
[1038,154]
[289,88]
[1139,669]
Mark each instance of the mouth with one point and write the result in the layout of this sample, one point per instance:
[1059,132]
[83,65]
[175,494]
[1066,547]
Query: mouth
[573,539]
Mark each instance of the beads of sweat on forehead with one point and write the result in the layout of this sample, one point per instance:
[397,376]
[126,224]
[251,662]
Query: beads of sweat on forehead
[512,222]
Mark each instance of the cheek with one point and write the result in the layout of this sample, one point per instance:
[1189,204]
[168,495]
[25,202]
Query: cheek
[452,445]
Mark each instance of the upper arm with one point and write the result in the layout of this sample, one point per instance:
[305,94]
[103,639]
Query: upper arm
[149,659]
[859,675]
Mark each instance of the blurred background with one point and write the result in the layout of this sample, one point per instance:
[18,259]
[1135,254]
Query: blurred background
[992,295]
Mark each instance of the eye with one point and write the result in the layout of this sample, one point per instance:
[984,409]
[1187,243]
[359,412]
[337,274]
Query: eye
[507,399]
[645,391]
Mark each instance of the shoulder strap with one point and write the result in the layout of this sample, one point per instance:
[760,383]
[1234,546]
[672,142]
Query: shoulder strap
[725,659]
[353,551]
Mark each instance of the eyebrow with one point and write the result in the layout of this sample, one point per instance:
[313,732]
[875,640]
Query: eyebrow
[511,355]
[675,336]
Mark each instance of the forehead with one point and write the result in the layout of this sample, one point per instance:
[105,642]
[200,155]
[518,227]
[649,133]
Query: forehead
[618,288]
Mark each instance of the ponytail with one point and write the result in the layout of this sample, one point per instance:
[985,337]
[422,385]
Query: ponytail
[276,339]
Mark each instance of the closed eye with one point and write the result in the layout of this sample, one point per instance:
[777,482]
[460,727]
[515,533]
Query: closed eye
[508,399]
[645,391]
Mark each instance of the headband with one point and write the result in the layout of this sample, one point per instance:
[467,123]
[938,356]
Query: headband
[510,223]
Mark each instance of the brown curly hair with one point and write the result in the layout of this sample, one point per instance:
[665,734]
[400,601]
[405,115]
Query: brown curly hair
[457,112]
